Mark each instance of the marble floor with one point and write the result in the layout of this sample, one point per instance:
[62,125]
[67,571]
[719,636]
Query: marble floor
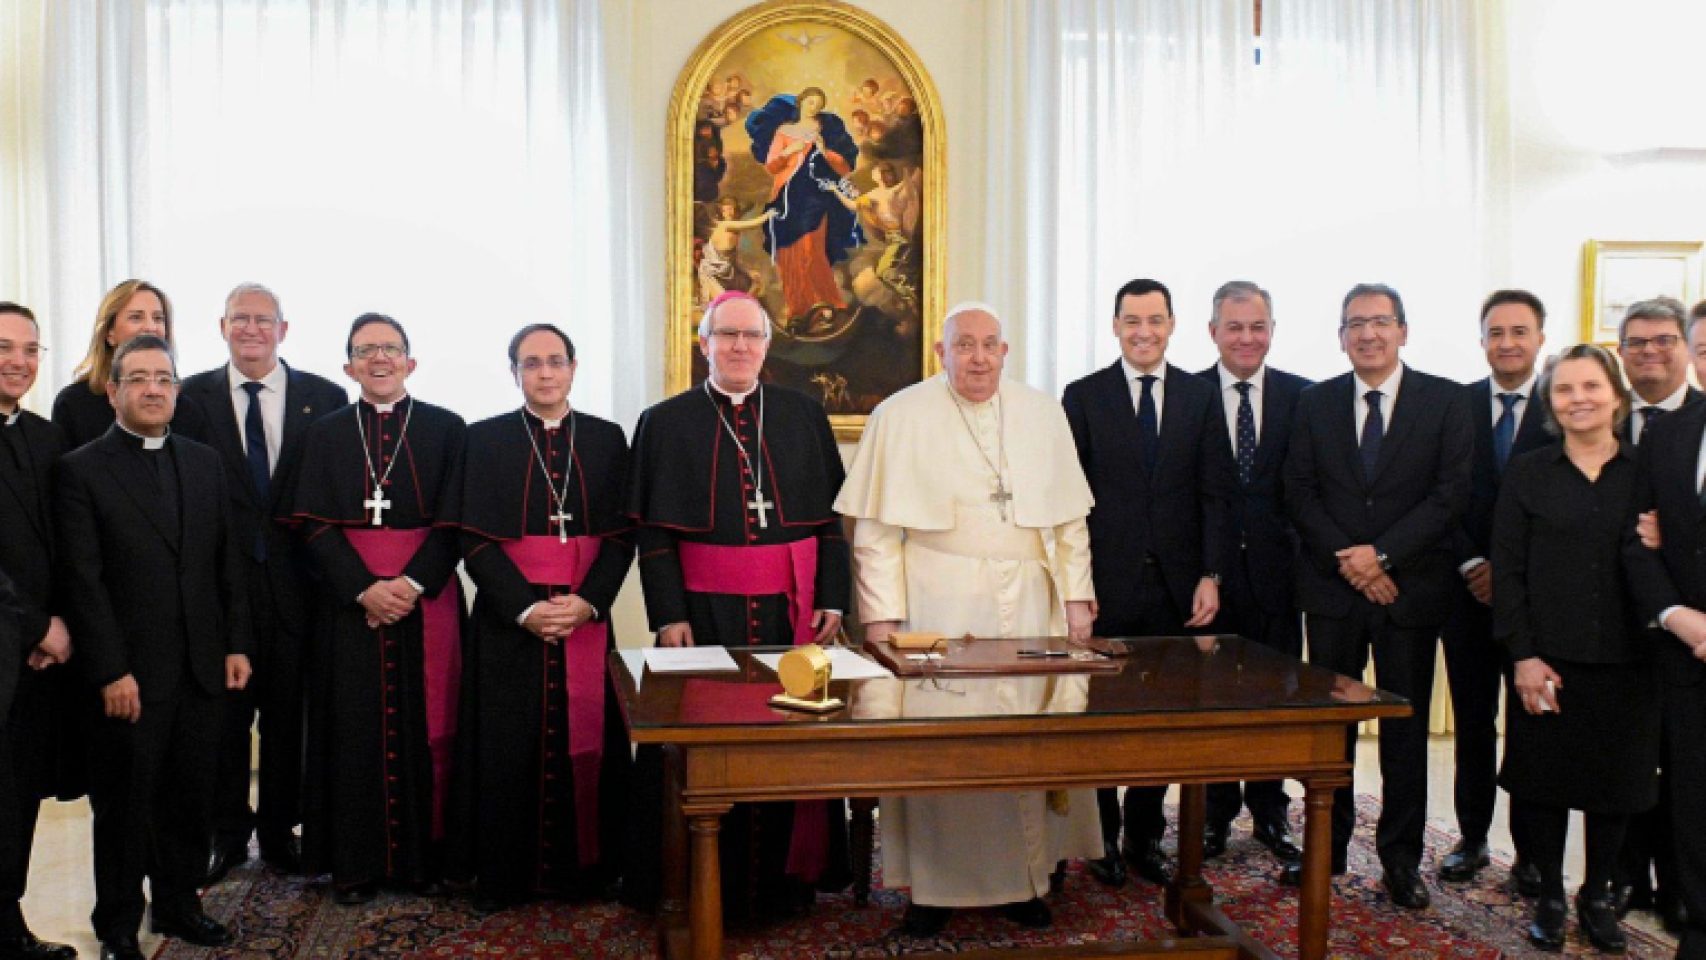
[62,888]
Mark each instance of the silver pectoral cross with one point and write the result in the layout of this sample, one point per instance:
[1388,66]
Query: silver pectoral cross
[378,504]
[763,507]
[1001,496]
[561,518]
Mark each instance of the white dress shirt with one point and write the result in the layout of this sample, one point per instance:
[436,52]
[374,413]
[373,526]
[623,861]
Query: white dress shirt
[1158,391]
[272,407]
[1230,398]
[1388,400]
[1668,404]
[1521,411]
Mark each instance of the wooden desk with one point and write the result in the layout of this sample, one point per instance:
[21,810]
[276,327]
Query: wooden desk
[1185,710]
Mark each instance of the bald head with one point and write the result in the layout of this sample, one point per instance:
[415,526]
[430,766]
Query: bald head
[972,351]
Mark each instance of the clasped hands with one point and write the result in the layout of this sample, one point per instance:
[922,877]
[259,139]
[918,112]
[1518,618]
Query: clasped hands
[553,620]
[1685,623]
[387,601]
[1360,566]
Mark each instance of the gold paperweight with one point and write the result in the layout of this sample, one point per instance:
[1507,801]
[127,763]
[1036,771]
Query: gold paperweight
[804,672]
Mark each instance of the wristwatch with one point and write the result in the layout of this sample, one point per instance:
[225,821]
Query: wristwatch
[1211,575]
[1384,561]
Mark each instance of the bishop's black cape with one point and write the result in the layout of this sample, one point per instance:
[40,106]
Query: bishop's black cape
[368,796]
[689,483]
[514,819]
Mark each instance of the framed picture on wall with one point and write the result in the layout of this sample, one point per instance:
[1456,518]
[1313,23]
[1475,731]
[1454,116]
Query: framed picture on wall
[1617,273]
[807,168]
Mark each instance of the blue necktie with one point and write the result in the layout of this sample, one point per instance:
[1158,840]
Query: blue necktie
[255,444]
[1148,427]
[1504,432]
[1373,431]
[1648,415]
[1246,438]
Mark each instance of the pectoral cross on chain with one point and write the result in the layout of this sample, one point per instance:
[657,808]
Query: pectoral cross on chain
[378,504]
[561,518]
[763,508]
[1001,496]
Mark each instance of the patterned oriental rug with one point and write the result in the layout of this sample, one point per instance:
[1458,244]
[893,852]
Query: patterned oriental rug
[295,919]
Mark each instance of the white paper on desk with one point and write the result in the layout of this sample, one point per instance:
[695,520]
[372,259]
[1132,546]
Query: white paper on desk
[689,659]
[636,663]
[844,664]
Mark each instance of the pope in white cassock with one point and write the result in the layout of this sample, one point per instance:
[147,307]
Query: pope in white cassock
[970,505]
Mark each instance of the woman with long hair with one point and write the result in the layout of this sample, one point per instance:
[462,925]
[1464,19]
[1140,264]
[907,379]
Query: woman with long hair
[132,308]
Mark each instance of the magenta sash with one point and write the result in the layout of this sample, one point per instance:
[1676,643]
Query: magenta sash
[785,568]
[387,553]
[547,561]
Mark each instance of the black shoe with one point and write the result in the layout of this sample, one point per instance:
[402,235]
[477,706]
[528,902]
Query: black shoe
[1291,872]
[283,854]
[1276,836]
[1598,917]
[1525,877]
[23,945]
[1109,871]
[1464,861]
[921,921]
[1673,913]
[1032,913]
[223,860]
[1546,931]
[355,894]
[1626,897]
[1214,839]
[191,926]
[1404,888]
[122,948]
[1150,863]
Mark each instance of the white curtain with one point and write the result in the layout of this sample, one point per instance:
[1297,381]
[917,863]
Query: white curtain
[446,162]
[1159,147]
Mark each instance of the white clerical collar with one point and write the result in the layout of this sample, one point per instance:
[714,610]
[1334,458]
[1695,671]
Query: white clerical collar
[386,407]
[1229,380]
[276,379]
[1132,373]
[148,443]
[12,417]
[735,398]
[550,424]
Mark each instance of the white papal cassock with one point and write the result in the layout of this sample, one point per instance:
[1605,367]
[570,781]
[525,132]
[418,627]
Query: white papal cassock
[936,553]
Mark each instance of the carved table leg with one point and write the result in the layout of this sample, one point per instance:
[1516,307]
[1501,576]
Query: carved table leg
[1188,885]
[1317,892]
[672,905]
[861,834]
[705,907]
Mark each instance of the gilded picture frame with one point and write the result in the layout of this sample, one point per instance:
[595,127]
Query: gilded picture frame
[807,166]
[1616,273]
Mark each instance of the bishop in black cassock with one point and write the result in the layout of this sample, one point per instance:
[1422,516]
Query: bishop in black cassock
[384,676]
[733,484]
[543,763]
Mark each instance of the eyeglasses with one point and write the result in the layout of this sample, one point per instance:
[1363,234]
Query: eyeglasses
[732,337]
[555,361]
[1380,321]
[1663,341]
[30,351]
[258,322]
[368,351]
[164,381]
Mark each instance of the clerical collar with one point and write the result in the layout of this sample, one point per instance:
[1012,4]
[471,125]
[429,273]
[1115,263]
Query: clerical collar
[549,424]
[148,443]
[385,407]
[12,417]
[735,398]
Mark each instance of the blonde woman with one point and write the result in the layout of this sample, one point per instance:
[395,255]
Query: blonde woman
[132,308]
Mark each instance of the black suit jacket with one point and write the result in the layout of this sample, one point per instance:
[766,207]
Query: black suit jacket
[26,541]
[1180,511]
[1474,536]
[1409,510]
[1628,430]
[1259,522]
[141,601]
[1675,574]
[205,414]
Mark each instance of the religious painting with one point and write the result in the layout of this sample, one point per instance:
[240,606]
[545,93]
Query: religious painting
[806,169]
[1617,273]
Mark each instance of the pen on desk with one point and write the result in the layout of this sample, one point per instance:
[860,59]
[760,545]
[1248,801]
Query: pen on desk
[1044,653]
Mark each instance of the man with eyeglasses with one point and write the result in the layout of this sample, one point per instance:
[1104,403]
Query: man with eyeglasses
[543,772]
[35,689]
[255,410]
[971,505]
[152,570]
[732,483]
[1153,445]
[1377,478]
[384,680]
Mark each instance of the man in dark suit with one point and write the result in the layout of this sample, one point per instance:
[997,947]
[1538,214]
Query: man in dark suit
[34,641]
[1154,448]
[1507,423]
[255,411]
[149,562]
[1256,402]
[1652,341]
[1669,585]
[1377,478]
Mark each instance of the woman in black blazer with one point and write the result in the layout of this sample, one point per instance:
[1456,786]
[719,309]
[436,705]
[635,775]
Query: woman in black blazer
[130,309]
[1581,722]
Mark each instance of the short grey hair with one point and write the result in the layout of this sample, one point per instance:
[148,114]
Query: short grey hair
[1658,308]
[1239,291]
[710,314]
[250,287]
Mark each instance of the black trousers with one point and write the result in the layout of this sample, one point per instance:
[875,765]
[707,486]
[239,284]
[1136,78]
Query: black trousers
[1685,782]
[1145,815]
[1403,664]
[276,693]
[1475,665]
[150,789]
[1241,613]
[25,772]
